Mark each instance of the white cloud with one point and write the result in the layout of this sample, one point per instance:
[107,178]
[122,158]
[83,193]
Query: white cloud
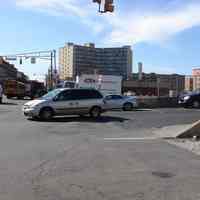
[69,8]
[55,6]
[153,27]
[124,28]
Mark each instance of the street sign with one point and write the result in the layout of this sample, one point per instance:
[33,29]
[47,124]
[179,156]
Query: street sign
[11,58]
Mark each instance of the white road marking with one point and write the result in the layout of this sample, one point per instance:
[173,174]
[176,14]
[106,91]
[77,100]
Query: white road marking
[131,139]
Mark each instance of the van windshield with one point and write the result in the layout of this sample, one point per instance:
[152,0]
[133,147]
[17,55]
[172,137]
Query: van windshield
[51,95]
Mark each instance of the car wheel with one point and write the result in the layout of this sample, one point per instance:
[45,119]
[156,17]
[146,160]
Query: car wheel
[196,104]
[128,107]
[46,114]
[95,112]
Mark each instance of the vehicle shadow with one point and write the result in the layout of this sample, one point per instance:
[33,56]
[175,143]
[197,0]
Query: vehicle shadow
[102,119]
[142,109]
[9,104]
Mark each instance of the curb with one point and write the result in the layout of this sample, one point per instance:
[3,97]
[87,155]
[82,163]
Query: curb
[192,131]
[179,131]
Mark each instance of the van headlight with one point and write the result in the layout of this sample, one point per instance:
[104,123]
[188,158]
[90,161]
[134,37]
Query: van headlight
[186,98]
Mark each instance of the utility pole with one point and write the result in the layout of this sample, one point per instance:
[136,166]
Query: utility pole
[158,87]
[51,72]
[55,68]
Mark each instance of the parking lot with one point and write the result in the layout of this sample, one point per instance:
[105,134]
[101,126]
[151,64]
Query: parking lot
[71,158]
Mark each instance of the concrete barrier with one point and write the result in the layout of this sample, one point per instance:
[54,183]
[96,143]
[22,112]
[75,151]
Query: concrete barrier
[157,102]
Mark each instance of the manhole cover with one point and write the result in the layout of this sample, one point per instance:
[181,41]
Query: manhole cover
[163,174]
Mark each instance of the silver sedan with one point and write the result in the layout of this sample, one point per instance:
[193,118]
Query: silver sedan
[127,103]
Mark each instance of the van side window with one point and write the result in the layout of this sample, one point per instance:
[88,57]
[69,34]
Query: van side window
[65,96]
[86,94]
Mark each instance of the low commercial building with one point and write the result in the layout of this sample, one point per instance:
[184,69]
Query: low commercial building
[155,84]
[192,82]
[189,85]
[196,78]
[196,82]
[7,70]
[22,77]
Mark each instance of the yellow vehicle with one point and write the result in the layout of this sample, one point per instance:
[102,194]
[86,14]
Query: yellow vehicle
[13,88]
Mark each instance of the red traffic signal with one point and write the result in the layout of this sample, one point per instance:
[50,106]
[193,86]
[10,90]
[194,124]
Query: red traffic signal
[109,7]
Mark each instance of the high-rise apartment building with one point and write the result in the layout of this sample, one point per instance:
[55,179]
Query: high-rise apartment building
[76,60]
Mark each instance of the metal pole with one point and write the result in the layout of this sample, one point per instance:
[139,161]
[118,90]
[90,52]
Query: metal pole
[158,86]
[54,53]
[51,72]
[55,68]
[177,86]
[99,7]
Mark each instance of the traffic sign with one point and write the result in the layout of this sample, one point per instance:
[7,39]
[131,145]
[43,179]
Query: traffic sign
[11,58]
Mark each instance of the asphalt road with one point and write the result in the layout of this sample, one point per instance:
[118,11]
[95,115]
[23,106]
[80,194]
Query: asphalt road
[69,158]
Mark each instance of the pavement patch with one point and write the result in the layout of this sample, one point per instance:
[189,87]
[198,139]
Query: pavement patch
[163,174]
[188,144]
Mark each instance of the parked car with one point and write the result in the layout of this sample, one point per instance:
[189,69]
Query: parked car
[127,103]
[66,102]
[190,100]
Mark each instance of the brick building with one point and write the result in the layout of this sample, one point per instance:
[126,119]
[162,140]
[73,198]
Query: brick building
[7,70]
[155,84]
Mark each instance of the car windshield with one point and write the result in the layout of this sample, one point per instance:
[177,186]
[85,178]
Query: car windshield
[50,95]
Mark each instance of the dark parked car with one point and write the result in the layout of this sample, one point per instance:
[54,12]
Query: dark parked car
[190,100]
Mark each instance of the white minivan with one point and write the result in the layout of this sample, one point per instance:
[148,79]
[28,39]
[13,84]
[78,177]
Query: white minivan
[61,102]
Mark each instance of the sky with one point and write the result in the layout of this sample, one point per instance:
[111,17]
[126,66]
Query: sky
[164,34]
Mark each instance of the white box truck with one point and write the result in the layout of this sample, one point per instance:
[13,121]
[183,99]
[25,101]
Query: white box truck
[106,84]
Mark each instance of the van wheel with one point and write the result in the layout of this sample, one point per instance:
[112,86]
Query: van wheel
[196,104]
[95,112]
[46,114]
[128,107]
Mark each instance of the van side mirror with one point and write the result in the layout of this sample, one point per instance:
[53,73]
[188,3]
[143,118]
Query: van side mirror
[107,98]
[55,98]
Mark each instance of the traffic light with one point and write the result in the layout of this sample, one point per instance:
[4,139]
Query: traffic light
[109,7]
[20,61]
[107,4]
[33,60]
[97,1]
